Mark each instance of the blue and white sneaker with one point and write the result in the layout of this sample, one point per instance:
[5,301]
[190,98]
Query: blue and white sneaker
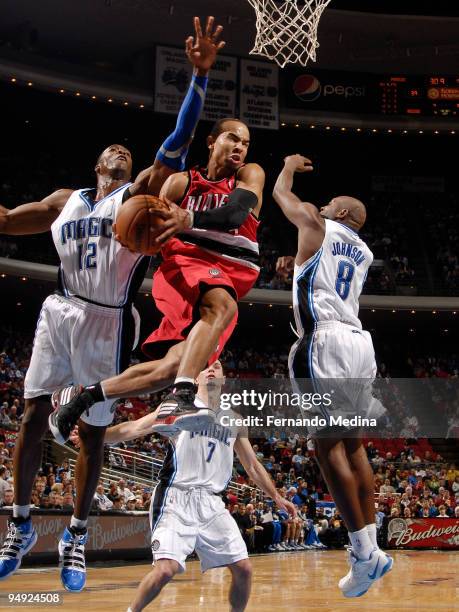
[72,561]
[20,538]
[364,573]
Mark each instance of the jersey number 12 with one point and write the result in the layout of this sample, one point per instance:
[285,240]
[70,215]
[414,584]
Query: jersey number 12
[87,256]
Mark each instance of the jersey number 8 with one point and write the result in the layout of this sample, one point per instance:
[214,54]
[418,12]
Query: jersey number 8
[344,278]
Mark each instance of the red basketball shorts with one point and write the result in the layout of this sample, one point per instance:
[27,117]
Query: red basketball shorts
[177,288]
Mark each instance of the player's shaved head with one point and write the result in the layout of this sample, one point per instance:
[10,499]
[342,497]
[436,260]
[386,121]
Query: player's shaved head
[356,209]
[347,210]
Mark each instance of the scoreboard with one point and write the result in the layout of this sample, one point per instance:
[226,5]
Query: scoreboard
[435,96]
[426,96]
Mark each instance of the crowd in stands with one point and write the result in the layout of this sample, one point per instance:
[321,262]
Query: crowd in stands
[410,480]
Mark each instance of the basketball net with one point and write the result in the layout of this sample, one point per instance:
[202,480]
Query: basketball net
[287,29]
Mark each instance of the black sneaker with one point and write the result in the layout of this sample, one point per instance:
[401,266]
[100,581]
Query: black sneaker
[177,412]
[69,404]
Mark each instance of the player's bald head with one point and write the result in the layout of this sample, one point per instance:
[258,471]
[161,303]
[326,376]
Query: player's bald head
[346,209]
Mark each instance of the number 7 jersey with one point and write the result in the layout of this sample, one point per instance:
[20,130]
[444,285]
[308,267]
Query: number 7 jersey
[327,286]
[94,265]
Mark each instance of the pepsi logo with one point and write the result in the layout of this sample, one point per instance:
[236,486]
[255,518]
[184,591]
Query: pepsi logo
[307,87]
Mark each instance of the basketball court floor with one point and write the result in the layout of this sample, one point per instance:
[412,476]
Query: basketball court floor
[304,581]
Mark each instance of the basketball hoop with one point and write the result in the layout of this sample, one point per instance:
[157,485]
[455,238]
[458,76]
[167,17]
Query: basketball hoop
[287,29]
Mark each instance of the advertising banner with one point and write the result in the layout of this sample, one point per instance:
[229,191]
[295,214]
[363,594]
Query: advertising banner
[327,507]
[408,184]
[105,532]
[9,435]
[423,533]
[173,73]
[259,88]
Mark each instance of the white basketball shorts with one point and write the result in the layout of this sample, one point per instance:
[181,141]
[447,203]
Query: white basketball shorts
[77,342]
[193,519]
[336,352]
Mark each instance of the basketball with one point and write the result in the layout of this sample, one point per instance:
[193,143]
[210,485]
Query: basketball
[135,221]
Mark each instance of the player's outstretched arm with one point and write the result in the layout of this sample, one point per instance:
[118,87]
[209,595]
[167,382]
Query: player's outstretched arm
[259,475]
[298,212]
[34,217]
[130,429]
[201,52]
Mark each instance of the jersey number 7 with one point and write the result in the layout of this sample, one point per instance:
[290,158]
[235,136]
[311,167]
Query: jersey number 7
[212,446]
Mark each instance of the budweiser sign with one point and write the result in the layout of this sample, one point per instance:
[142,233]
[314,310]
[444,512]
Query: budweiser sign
[423,532]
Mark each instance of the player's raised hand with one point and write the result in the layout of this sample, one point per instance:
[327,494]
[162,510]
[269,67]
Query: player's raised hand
[298,163]
[203,48]
[285,265]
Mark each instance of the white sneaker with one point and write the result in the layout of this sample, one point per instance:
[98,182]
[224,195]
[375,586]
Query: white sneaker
[364,573]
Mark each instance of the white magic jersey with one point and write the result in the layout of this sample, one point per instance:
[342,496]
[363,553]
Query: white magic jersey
[327,286]
[201,459]
[93,264]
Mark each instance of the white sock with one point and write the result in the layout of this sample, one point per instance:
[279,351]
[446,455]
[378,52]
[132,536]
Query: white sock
[184,379]
[21,511]
[78,523]
[103,391]
[361,543]
[372,533]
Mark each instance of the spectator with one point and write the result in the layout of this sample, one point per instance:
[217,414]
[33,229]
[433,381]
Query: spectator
[4,484]
[67,501]
[102,502]
[8,497]
[118,503]
[124,492]
[454,486]
[386,488]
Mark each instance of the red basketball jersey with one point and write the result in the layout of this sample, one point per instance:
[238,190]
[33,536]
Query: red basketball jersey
[203,194]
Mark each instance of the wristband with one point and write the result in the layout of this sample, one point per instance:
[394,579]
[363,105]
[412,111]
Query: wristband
[191,217]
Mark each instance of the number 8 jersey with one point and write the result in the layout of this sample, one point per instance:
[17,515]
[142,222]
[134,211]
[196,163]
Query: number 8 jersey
[94,266]
[327,286]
